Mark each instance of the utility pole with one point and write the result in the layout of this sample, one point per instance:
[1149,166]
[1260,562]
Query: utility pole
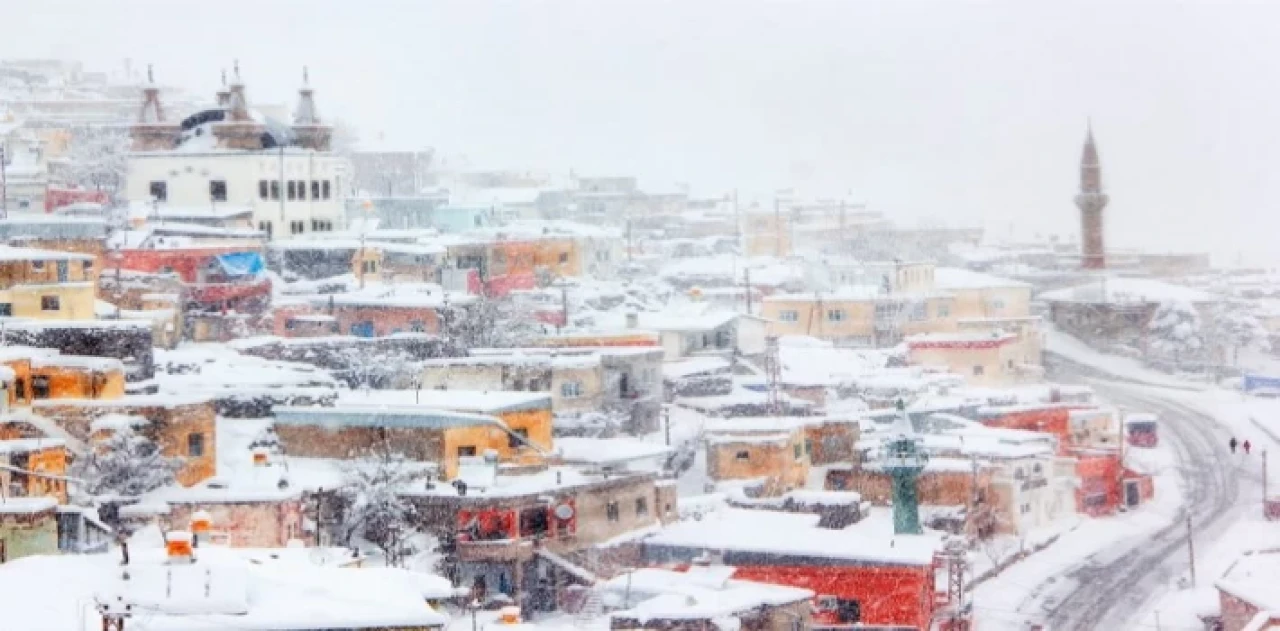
[629,241]
[1264,481]
[564,303]
[737,218]
[777,226]
[746,279]
[1191,550]
[844,237]
[666,422]
[4,188]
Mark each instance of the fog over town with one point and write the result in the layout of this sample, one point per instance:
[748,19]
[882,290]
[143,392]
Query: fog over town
[674,316]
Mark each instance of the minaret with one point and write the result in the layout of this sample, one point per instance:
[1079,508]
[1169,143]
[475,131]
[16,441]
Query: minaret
[311,134]
[151,132]
[224,95]
[1091,201]
[904,459]
[238,129]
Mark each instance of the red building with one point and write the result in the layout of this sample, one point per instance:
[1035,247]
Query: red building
[216,277]
[862,574]
[55,198]
[1106,485]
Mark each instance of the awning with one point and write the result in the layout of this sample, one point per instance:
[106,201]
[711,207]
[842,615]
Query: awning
[241,263]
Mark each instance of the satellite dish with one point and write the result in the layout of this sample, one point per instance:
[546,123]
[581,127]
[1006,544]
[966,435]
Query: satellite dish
[564,511]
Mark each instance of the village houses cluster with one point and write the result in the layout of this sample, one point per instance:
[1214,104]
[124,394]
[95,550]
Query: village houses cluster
[290,381]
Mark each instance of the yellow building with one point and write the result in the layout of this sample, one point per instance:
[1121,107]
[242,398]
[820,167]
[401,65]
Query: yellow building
[773,452]
[766,233]
[984,359]
[859,316]
[891,301]
[417,432]
[47,285]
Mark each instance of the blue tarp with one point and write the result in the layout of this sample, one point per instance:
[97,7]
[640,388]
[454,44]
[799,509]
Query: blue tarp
[1254,382]
[241,263]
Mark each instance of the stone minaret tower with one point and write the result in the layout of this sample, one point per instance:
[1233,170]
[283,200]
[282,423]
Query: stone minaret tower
[307,127]
[1091,201]
[904,460]
[151,132]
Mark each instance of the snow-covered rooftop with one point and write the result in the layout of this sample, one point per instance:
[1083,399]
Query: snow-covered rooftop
[221,590]
[1124,290]
[871,540]
[960,278]
[607,450]
[701,592]
[481,401]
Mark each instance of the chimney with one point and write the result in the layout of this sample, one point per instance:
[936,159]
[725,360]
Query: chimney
[178,548]
[201,524]
[509,615]
[261,457]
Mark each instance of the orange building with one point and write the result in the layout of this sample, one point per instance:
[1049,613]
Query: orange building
[35,467]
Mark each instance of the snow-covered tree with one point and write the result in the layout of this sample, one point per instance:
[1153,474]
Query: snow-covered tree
[1234,328]
[1175,332]
[125,465]
[491,321]
[374,512]
[95,158]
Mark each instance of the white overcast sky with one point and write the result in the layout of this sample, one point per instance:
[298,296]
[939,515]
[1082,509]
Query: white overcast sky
[957,112]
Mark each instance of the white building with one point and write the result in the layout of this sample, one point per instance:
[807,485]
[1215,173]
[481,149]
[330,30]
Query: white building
[237,156]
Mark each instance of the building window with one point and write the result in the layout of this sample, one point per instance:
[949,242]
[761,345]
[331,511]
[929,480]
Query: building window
[742,455]
[302,189]
[195,444]
[275,189]
[86,268]
[642,507]
[919,312]
[265,226]
[997,304]
[835,315]
[50,303]
[264,189]
[466,451]
[417,326]
[40,387]
[324,188]
[799,450]
[611,511]
[564,257]
[978,371]
[315,189]
[6,309]
[571,389]
[293,190]
[218,190]
[160,191]
[944,311]
[297,227]
[518,438]
[790,315]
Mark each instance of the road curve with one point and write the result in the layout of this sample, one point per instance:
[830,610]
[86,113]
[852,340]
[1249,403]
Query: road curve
[1111,587]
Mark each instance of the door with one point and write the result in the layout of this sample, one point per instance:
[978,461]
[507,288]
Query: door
[63,271]
[1131,495]
[362,329]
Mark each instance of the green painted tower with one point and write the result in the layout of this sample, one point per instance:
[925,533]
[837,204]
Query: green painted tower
[904,458]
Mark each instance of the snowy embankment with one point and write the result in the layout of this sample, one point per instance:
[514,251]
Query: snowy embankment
[1122,368]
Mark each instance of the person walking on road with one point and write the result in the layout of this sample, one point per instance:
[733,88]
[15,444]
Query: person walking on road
[1247,447]
[1232,444]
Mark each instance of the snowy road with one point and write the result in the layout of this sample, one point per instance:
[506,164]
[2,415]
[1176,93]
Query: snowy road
[1112,586]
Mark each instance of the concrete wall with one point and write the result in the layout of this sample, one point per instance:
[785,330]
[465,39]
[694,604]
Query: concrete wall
[267,524]
[29,534]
